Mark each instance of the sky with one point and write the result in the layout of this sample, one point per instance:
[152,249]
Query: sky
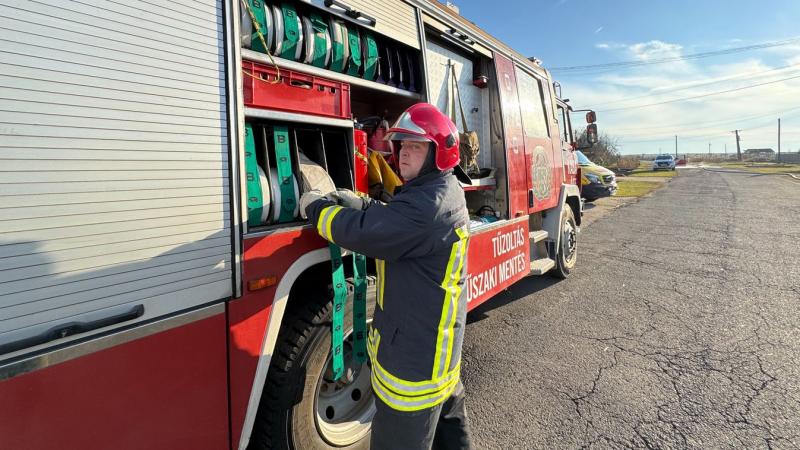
[569,33]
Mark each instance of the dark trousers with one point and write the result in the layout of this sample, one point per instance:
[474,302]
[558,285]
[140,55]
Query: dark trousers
[443,427]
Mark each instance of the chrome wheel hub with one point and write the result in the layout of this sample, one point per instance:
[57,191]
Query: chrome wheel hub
[344,407]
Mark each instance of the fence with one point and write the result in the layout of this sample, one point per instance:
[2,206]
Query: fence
[789,158]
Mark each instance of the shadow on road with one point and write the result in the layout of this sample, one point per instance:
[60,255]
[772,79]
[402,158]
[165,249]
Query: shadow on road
[522,288]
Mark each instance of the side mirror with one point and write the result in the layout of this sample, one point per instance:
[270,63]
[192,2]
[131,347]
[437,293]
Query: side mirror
[591,117]
[591,133]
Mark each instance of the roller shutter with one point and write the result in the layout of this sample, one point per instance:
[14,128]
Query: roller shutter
[395,18]
[114,186]
[472,97]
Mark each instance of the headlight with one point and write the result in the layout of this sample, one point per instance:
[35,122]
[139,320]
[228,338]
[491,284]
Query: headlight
[593,178]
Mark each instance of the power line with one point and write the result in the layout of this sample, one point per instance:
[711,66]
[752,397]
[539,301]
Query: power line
[713,122]
[626,64]
[708,83]
[696,126]
[699,96]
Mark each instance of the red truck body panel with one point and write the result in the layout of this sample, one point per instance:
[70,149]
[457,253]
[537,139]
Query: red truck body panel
[165,391]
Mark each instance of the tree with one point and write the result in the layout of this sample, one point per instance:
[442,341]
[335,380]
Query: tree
[605,152]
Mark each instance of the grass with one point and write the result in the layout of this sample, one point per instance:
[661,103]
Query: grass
[763,167]
[634,188]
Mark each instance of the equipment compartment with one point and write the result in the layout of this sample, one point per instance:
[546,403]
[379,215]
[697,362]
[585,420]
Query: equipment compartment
[341,39]
[274,149]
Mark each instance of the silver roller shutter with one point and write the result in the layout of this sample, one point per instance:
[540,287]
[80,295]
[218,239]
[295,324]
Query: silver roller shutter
[114,184]
[395,18]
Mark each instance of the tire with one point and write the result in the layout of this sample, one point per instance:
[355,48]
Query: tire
[567,250]
[289,414]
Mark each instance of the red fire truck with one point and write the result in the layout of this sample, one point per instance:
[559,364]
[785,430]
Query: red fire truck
[158,289]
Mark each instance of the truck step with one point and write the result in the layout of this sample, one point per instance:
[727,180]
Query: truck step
[542,266]
[538,236]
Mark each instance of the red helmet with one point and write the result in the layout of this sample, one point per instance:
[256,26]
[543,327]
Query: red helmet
[424,122]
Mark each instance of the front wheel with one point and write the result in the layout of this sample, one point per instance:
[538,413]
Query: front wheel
[302,407]
[567,249]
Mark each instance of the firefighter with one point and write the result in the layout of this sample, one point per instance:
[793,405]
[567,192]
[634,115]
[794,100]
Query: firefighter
[419,243]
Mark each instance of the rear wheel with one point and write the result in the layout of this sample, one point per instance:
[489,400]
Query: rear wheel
[302,406]
[567,249]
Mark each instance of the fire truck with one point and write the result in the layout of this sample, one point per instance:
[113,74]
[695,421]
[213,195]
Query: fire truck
[158,289]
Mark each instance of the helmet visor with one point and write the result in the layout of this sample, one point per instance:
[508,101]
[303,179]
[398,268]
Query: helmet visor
[405,123]
[400,136]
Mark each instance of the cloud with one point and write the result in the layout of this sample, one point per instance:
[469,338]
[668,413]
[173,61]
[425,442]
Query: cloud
[696,122]
[609,45]
[646,51]
[598,30]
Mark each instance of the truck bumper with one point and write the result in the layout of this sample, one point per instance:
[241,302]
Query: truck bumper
[596,190]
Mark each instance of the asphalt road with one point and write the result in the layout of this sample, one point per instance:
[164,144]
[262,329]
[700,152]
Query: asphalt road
[680,328]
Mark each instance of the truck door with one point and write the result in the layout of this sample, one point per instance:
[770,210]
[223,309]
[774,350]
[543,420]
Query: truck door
[544,155]
[517,161]
[570,165]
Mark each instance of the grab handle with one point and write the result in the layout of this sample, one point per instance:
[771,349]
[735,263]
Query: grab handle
[71,328]
[352,13]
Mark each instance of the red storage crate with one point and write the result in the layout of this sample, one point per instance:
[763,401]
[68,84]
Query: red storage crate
[296,92]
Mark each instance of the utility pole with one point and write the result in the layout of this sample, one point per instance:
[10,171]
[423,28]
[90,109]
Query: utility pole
[738,149]
[676,146]
[709,149]
[779,139]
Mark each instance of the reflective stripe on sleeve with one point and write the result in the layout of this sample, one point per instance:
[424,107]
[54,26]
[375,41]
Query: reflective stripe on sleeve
[326,220]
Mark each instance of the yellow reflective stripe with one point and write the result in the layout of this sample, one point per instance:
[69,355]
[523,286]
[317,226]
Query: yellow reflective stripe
[413,388]
[403,403]
[374,339]
[323,216]
[456,294]
[326,220]
[329,221]
[380,266]
[462,232]
[444,338]
[405,387]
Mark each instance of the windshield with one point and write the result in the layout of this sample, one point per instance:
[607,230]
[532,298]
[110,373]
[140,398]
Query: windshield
[662,157]
[582,159]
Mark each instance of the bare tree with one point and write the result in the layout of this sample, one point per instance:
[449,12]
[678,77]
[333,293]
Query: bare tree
[605,152]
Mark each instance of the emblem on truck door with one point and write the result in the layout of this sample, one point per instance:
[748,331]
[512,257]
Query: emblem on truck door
[541,173]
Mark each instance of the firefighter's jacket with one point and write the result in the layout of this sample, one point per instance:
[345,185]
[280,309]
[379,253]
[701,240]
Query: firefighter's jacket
[419,242]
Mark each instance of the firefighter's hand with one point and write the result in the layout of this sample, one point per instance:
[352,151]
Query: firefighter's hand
[310,197]
[348,198]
